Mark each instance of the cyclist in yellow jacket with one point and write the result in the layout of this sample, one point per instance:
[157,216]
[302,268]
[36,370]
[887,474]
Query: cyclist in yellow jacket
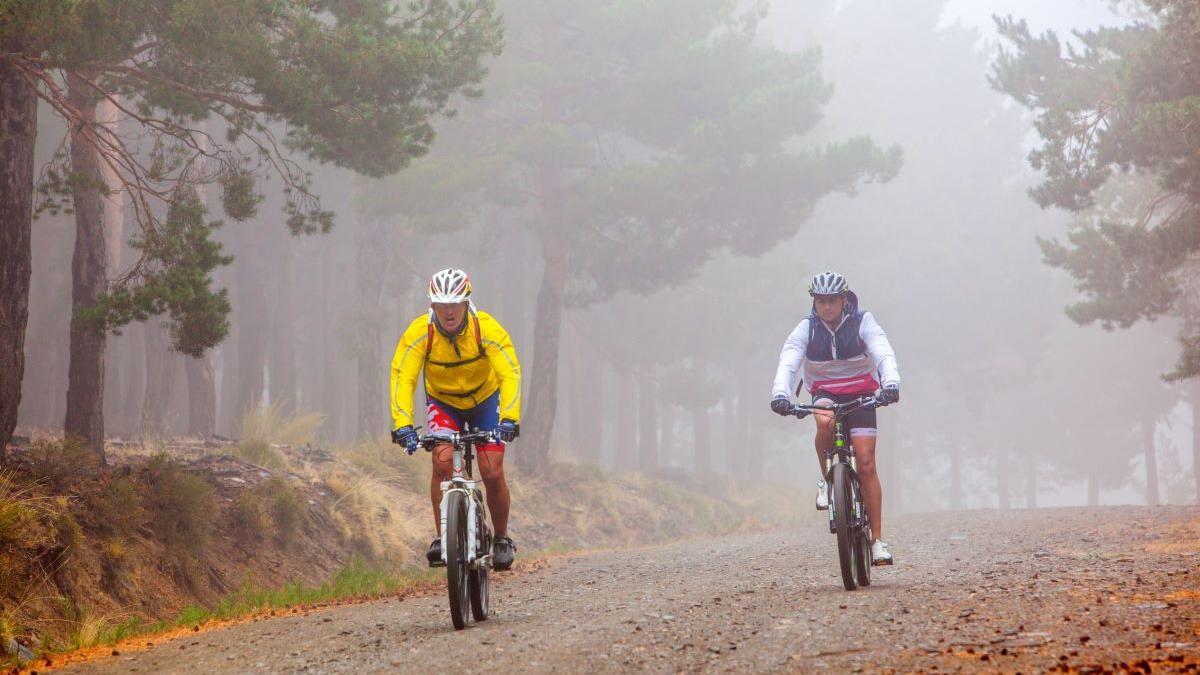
[471,376]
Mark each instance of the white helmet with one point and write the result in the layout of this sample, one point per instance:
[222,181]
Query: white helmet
[450,286]
[828,283]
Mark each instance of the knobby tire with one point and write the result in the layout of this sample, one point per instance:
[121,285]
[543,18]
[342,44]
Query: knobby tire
[458,570]
[479,577]
[862,562]
[843,515]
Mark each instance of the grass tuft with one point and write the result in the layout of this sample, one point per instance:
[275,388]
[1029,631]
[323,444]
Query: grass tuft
[117,507]
[257,451]
[62,463]
[356,580]
[182,505]
[271,424]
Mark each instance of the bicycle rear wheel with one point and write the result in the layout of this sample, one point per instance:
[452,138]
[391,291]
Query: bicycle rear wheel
[843,518]
[458,571]
[479,576]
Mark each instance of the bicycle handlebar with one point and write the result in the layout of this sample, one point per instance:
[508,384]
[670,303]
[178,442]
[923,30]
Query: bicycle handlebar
[429,441]
[839,409]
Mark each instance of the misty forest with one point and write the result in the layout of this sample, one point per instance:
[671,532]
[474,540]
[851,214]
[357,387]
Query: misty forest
[218,218]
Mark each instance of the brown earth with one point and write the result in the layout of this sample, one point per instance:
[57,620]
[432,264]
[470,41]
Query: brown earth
[1087,590]
[367,503]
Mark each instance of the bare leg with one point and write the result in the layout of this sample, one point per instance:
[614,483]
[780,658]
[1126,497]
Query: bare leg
[443,467]
[868,478]
[491,466]
[824,439]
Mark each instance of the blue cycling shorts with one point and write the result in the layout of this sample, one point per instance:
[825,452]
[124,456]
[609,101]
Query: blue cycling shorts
[444,418]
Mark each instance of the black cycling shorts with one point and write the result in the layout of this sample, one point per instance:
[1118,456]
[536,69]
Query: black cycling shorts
[861,422]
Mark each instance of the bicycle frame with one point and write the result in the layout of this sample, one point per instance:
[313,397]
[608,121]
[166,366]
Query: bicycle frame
[462,481]
[842,450]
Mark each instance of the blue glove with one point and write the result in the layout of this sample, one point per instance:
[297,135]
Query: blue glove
[889,394]
[508,430]
[780,405]
[406,436]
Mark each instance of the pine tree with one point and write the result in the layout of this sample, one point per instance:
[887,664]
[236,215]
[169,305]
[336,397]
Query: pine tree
[638,139]
[1121,107]
[352,83]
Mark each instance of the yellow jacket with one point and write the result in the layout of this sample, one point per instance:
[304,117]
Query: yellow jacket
[455,372]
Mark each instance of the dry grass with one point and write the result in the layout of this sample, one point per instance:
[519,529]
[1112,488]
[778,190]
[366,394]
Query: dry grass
[271,424]
[369,517]
[257,451]
[62,463]
[117,507]
[18,511]
[181,504]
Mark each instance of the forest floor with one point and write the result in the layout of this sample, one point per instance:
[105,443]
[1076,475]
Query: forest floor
[174,534]
[1081,590]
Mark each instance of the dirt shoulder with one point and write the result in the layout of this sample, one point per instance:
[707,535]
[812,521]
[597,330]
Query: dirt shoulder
[1084,589]
[194,528]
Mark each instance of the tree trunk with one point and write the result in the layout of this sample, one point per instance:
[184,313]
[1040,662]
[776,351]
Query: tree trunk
[626,423]
[1031,484]
[282,357]
[227,414]
[1151,462]
[543,381]
[1003,478]
[133,393]
[749,444]
[666,443]
[580,395]
[371,245]
[251,313]
[202,396]
[516,296]
[89,280]
[702,443]
[331,397]
[647,424]
[118,347]
[18,130]
[735,461]
[1196,436]
[161,365]
[956,477]
[893,493]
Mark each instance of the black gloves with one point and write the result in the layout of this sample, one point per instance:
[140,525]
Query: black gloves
[508,430]
[780,405]
[406,436]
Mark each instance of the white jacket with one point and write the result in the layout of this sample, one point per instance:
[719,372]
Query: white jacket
[854,375]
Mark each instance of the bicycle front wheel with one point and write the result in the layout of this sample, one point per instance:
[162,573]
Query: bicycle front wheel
[458,569]
[862,533]
[479,576]
[843,519]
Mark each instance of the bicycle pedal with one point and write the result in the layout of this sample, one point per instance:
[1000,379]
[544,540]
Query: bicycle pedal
[882,563]
[437,563]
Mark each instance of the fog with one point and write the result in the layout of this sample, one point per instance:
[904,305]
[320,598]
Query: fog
[675,301]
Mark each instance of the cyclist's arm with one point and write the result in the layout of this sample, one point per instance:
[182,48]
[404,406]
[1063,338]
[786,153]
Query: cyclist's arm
[880,350]
[406,367]
[503,357]
[790,359]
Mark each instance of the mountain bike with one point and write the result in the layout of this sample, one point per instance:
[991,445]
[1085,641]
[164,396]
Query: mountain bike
[848,517]
[466,536]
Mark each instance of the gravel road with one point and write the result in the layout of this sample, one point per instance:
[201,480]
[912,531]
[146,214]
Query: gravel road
[979,591]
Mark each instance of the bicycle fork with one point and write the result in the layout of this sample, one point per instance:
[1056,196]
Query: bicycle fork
[841,453]
[468,490]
